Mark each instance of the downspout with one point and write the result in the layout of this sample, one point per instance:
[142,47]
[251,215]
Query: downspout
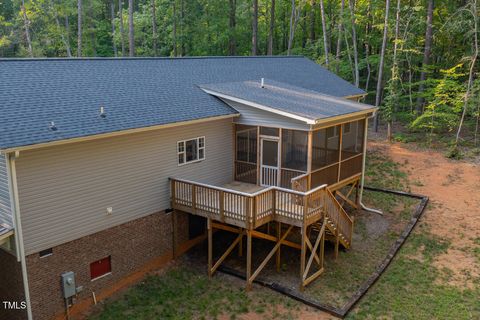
[18,230]
[363,206]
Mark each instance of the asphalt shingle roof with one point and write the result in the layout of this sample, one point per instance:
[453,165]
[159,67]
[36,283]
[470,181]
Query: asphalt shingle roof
[298,101]
[135,93]
[4,229]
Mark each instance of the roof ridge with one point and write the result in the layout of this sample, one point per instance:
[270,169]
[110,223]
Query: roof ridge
[146,58]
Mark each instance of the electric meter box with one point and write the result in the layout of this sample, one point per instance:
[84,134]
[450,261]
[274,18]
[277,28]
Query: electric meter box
[68,284]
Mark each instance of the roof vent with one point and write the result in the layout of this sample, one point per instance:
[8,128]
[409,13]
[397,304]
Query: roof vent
[53,127]
[102,112]
[262,83]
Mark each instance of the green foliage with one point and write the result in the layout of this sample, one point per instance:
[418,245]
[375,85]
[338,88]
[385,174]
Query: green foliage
[202,27]
[446,101]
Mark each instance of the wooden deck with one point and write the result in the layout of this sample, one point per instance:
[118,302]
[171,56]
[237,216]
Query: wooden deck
[243,208]
[248,210]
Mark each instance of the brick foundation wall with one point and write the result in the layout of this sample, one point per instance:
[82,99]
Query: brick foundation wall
[11,286]
[131,246]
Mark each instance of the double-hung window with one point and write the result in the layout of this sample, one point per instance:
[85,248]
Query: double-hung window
[191,150]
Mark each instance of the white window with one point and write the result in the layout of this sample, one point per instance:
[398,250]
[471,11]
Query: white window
[191,150]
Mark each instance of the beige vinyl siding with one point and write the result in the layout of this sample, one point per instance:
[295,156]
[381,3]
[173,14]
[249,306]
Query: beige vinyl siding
[5,205]
[254,116]
[64,191]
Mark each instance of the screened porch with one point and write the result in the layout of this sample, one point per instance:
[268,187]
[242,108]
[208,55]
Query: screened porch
[299,159]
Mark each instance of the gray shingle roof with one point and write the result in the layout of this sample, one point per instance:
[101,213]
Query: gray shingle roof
[4,229]
[135,92]
[294,100]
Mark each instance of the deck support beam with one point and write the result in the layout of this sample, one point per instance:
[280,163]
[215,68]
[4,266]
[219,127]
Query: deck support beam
[249,260]
[262,265]
[320,240]
[210,226]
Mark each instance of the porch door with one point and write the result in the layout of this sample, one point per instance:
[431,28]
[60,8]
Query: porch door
[269,162]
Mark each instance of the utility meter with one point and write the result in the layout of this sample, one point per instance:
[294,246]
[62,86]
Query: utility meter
[68,284]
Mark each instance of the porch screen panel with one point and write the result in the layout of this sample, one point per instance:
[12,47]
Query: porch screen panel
[246,154]
[352,148]
[294,149]
[325,146]
[352,139]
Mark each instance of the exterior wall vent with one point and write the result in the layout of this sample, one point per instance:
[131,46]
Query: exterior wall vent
[53,127]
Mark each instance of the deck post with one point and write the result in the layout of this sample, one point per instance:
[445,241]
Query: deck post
[249,260]
[240,247]
[174,233]
[210,247]
[304,240]
[340,152]
[322,245]
[309,159]
[279,237]
[337,242]
[357,193]
[194,198]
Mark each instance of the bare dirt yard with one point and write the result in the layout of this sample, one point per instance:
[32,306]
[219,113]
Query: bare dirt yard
[454,213]
[435,275]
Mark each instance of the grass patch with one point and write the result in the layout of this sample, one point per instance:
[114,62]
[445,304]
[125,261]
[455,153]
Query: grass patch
[186,293]
[409,288]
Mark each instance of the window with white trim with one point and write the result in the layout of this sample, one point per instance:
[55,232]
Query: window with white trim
[191,150]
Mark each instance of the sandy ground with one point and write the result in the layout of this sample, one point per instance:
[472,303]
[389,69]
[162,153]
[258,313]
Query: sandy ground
[453,213]
[454,210]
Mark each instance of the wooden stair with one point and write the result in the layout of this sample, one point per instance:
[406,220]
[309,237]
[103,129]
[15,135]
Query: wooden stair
[339,225]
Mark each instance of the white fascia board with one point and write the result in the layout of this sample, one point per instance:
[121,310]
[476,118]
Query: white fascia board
[260,106]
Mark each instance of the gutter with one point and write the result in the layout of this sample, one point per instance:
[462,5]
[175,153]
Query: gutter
[18,229]
[362,205]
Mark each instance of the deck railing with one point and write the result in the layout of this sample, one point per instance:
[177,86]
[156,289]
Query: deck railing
[337,215]
[248,210]
[300,183]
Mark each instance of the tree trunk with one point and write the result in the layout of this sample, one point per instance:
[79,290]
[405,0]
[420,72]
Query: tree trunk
[471,73]
[354,40]
[112,17]
[131,37]
[255,28]
[67,32]
[174,33]
[394,67]
[154,29]
[340,40]
[26,25]
[312,21]
[426,56]
[367,45]
[122,29]
[271,30]
[378,95]
[79,30]
[324,31]
[304,27]
[295,14]
[232,44]
[182,28]
[91,20]
[59,28]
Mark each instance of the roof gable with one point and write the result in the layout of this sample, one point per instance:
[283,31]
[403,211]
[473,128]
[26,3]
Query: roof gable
[291,101]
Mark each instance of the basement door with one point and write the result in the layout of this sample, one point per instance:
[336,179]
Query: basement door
[269,168]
